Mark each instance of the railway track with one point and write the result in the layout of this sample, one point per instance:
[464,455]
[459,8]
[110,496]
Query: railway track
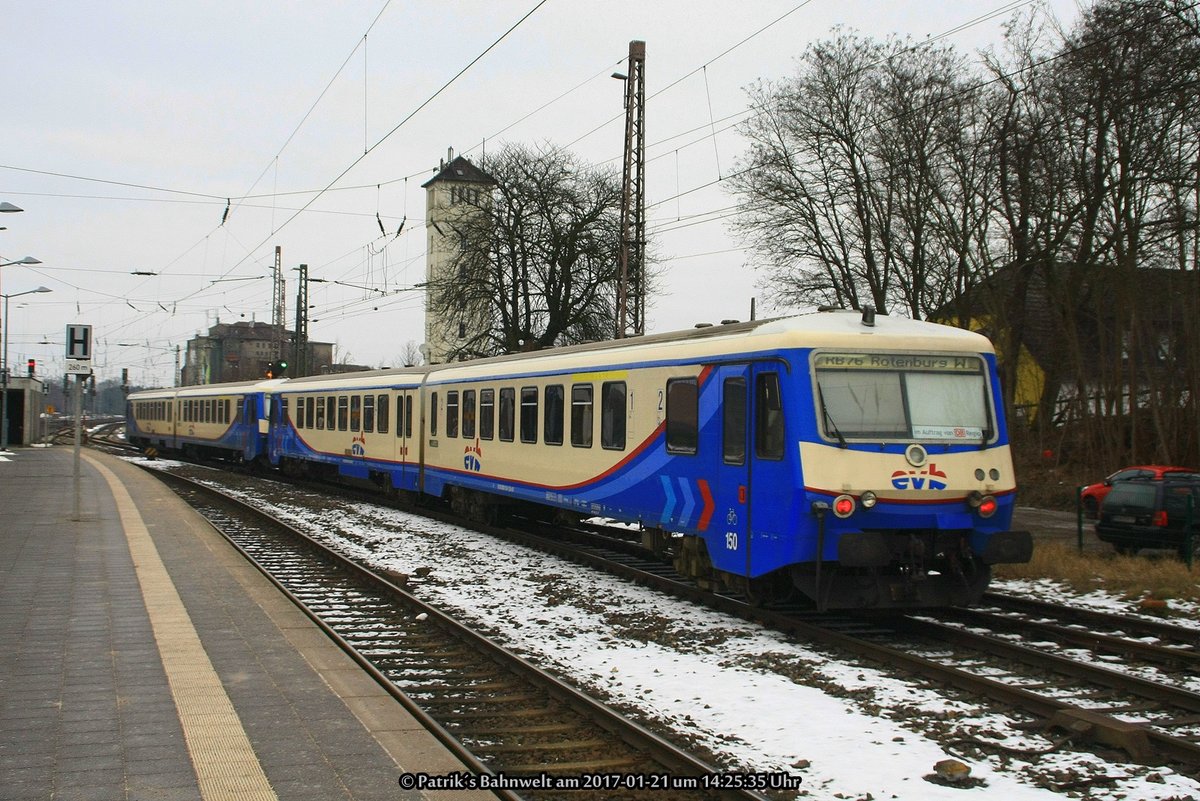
[497,712]
[1149,719]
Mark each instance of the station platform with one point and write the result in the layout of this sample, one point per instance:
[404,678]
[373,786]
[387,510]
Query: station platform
[143,659]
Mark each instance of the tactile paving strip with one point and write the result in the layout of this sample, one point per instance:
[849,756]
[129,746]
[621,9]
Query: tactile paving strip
[226,766]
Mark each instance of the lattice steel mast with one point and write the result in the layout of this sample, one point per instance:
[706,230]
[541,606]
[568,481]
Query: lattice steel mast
[631,285]
[279,305]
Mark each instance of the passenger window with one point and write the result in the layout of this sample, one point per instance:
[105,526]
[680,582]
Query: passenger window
[382,413]
[553,430]
[612,415]
[343,416]
[299,413]
[320,404]
[768,417]
[508,403]
[408,407]
[487,413]
[452,414]
[308,402]
[368,414]
[433,411]
[355,412]
[733,421]
[581,415]
[683,416]
[529,414]
[468,412]
[331,412]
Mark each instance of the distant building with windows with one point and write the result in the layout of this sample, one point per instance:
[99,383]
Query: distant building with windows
[245,352]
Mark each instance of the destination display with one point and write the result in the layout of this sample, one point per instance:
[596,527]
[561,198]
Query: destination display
[897,361]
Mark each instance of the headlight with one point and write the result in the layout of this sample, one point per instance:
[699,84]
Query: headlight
[868,499]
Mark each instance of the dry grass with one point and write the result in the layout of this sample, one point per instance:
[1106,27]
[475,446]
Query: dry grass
[1159,575]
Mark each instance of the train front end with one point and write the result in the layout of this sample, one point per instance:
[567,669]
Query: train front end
[907,472]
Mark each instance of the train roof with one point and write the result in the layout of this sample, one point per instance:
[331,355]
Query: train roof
[198,390]
[822,329]
[825,329]
[397,376]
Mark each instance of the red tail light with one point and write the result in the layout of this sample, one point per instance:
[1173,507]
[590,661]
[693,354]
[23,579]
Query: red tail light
[843,506]
[984,505]
[1160,518]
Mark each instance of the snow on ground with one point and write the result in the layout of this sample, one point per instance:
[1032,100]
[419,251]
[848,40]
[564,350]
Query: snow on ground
[1184,613]
[758,699]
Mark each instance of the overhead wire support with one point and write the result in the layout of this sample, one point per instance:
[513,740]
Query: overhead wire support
[279,304]
[300,343]
[631,285]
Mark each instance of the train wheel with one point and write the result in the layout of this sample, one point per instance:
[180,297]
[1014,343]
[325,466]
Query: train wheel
[691,560]
[482,509]
[458,501]
[761,591]
[656,541]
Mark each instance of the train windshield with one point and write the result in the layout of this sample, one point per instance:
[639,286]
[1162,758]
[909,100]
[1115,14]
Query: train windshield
[882,396]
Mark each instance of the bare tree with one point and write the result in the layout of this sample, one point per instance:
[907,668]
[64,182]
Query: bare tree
[1054,203]
[538,261]
[853,185]
[410,355]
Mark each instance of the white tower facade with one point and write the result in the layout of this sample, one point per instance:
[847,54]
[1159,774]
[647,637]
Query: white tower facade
[459,188]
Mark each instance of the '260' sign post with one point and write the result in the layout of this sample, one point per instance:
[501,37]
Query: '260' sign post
[79,364]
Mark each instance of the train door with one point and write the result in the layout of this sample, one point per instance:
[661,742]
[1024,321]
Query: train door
[249,428]
[406,438]
[730,524]
[772,483]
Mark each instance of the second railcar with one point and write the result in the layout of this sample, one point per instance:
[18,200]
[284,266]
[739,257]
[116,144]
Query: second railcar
[227,421]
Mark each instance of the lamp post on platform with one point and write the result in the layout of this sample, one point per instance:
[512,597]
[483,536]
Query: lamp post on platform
[4,353]
[7,208]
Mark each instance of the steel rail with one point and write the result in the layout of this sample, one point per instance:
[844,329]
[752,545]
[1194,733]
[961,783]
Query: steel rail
[662,751]
[1153,628]
[1140,741]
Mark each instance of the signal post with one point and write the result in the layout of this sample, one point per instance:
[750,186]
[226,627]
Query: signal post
[79,364]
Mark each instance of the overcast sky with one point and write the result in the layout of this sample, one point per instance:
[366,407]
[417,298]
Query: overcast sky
[127,125]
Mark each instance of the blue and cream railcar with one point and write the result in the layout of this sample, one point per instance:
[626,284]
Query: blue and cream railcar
[862,461]
[355,425]
[227,421]
[150,419]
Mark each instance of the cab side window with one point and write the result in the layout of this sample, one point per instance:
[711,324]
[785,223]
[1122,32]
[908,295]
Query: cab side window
[768,417]
[683,415]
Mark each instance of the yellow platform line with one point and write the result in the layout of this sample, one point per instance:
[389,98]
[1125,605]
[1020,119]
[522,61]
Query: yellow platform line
[226,766]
